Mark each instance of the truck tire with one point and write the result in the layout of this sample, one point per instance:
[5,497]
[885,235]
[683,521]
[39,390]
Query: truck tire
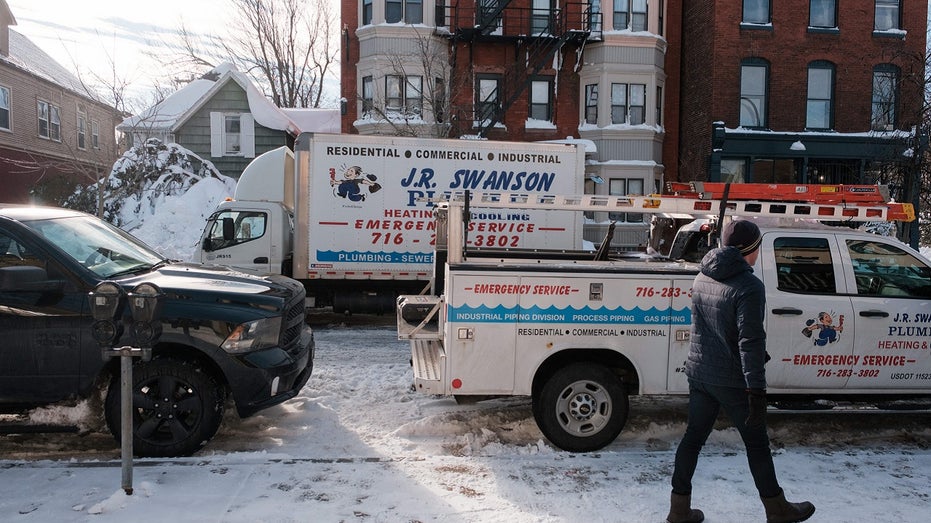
[581,407]
[177,408]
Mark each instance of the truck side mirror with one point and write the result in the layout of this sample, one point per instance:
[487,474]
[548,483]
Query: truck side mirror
[229,229]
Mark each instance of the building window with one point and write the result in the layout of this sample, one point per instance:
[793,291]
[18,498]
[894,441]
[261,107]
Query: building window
[231,133]
[885,96]
[820,109]
[887,15]
[822,13]
[5,108]
[541,17]
[659,106]
[591,104]
[95,134]
[754,79]
[409,11]
[49,121]
[541,100]
[625,187]
[630,14]
[404,94]
[628,103]
[661,21]
[488,17]
[488,95]
[82,129]
[366,12]
[757,12]
[368,95]
[413,95]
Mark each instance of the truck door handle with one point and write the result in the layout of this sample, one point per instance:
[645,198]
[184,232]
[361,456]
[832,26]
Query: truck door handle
[788,311]
[261,259]
[874,314]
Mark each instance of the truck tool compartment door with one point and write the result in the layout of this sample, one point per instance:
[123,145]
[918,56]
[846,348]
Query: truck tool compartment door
[809,318]
[892,307]
[41,325]
[480,323]
[241,235]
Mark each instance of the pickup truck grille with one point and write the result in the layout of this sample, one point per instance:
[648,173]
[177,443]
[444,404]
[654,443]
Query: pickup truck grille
[293,322]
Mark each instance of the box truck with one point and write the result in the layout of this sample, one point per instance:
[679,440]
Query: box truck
[350,216]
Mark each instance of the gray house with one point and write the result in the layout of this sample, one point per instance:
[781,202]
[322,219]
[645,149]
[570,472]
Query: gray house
[224,118]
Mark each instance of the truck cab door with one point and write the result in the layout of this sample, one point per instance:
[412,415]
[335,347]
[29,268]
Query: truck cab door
[240,238]
[810,335]
[44,326]
[891,289]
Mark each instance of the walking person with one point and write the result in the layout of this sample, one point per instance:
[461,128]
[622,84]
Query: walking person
[725,369]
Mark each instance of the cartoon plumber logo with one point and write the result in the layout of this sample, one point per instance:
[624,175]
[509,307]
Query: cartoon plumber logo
[351,185]
[824,324]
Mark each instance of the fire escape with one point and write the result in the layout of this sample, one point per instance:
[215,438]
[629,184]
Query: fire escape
[537,35]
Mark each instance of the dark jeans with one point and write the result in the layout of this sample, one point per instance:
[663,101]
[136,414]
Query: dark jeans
[705,401]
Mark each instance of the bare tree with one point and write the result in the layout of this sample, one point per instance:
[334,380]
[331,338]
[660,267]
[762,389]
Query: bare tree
[426,72]
[290,50]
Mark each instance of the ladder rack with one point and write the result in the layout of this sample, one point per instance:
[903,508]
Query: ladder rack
[811,193]
[663,204]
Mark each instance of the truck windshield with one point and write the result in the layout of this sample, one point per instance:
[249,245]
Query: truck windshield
[100,247]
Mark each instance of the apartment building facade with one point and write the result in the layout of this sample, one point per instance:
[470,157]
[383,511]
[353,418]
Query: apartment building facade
[516,70]
[813,91]
[799,91]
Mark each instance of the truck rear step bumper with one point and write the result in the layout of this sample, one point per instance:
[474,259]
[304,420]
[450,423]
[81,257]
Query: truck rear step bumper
[429,361]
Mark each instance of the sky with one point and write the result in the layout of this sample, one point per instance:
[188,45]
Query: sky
[97,37]
[91,36]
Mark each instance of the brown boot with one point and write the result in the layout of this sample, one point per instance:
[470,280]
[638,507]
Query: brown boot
[681,511]
[778,510]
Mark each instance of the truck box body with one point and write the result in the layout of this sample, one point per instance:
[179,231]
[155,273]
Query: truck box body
[356,214]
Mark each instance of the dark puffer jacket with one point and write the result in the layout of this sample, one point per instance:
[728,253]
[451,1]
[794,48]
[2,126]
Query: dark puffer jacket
[728,345]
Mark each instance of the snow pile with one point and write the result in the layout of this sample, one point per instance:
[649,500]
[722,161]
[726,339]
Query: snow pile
[160,193]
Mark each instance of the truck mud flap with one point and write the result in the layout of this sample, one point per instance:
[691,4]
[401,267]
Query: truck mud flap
[428,359]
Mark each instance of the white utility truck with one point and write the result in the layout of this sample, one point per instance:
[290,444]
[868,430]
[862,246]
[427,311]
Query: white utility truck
[848,313]
[343,215]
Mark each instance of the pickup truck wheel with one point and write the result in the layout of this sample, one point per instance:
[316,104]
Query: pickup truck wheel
[581,407]
[177,408]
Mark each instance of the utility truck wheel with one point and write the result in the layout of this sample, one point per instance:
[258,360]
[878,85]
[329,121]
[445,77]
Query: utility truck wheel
[581,407]
[177,408]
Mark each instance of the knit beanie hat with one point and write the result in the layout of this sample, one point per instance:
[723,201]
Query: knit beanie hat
[743,234]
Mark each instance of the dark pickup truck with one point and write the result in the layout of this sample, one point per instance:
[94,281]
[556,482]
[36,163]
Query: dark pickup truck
[224,333]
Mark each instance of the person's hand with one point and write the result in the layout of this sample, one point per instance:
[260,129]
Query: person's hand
[757,416]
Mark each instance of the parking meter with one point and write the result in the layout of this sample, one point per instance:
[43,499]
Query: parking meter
[145,303]
[106,303]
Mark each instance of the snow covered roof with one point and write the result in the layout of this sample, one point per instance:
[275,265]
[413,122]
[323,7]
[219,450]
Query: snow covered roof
[315,120]
[172,112]
[29,57]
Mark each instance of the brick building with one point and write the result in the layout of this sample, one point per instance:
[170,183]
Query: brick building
[522,70]
[815,91]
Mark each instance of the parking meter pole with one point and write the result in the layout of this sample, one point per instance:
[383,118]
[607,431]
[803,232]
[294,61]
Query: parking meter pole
[126,418]
[107,302]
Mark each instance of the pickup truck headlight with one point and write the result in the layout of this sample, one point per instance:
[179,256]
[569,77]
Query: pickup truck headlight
[253,335]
